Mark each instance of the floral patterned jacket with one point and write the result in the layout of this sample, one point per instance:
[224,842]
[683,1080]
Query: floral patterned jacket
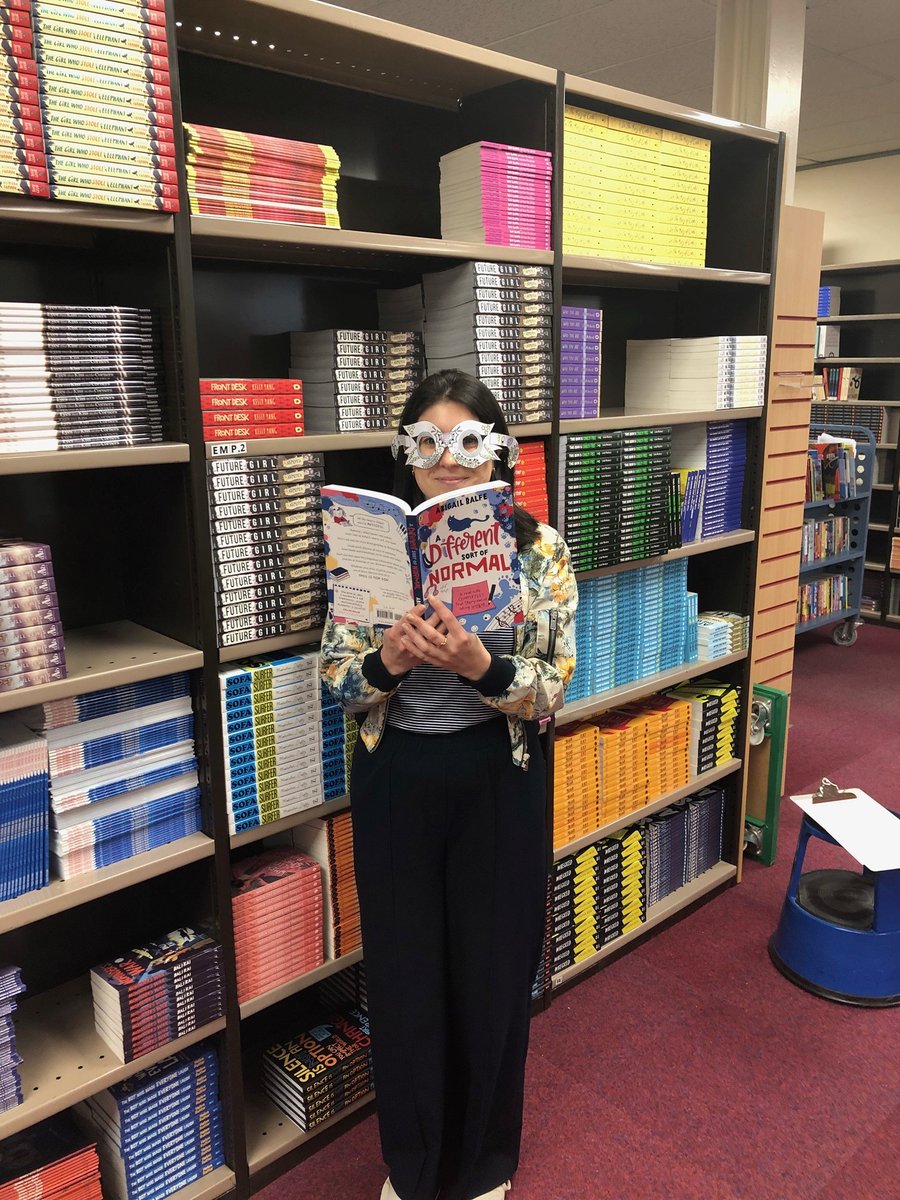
[542,664]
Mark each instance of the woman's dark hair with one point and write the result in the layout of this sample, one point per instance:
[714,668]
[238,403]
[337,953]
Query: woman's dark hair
[482,404]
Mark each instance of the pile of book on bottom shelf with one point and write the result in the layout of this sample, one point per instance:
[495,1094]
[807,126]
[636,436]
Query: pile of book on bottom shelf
[314,1073]
[161,1129]
[11,985]
[53,1160]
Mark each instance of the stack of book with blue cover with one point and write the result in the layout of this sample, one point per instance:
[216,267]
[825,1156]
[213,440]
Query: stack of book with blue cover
[493,320]
[314,1073]
[32,646]
[52,1160]
[161,1129]
[720,633]
[330,842]
[273,728]
[123,772]
[495,193]
[715,708]
[688,374]
[267,545]
[11,986]
[338,728]
[276,904]
[579,362]
[158,992]
[614,495]
[683,841]
[24,810]
[711,458]
[829,302]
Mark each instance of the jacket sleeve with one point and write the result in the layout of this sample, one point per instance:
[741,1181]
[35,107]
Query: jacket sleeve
[532,683]
[351,667]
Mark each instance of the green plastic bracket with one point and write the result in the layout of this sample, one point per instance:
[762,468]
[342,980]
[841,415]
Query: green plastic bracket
[761,838]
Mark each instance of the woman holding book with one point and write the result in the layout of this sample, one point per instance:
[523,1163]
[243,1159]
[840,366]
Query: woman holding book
[448,791]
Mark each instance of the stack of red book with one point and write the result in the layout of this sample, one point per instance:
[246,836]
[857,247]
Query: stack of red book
[249,175]
[23,162]
[251,408]
[530,480]
[53,1159]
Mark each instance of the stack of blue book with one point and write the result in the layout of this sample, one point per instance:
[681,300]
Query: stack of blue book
[123,771]
[683,841]
[829,302]
[335,773]
[24,807]
[161,1129]
[11,985]
[726,460]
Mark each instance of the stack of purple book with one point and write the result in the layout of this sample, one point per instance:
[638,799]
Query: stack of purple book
[498,194]
[579,362]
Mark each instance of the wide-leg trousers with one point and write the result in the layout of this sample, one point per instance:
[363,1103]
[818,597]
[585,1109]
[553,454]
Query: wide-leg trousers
[450,849]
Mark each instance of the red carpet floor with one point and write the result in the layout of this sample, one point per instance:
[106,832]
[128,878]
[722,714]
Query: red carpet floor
[689,1069]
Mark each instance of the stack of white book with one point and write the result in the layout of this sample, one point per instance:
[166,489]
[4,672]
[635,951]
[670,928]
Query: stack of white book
[687,374]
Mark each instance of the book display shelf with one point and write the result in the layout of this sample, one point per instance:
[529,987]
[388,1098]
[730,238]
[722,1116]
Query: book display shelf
[868,324]
[130,527]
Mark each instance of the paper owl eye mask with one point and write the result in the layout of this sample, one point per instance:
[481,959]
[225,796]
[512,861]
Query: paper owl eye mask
[470,442]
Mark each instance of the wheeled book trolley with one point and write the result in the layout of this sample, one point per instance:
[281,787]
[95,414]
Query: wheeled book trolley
[847,561]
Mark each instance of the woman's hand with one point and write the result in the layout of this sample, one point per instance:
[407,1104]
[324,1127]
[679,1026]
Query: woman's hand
[441,641]
[397,653]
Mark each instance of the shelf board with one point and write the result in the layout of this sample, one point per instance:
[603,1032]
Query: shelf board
[578,710]
[104,656]
[878,527]
[882,487]
[258,1003]
[657,913]
[583,268]
[833,502]
[337,441]
[885,264]
[284,241]
[286,641]
[63,894]
[846,403]
[865,318]
[215,1184]
[893,618]
[65,1059]
[247,836]
[705,546]
[835,618]
[650,420]
[833,560]
[873,566]
[271,1133]
[91,460]
[84,216]
[611,827]
[856,362]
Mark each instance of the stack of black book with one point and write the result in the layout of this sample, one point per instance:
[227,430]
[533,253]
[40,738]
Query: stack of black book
[614,495]
[267,545]
[158,992]
[317,1072]
[161,1129]
[78,377]
[11,985]
[355,379]
[493,320]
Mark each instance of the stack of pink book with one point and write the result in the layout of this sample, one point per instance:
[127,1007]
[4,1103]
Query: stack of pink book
[497,194]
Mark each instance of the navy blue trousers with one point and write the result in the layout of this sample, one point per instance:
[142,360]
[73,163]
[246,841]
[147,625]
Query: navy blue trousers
[451,866]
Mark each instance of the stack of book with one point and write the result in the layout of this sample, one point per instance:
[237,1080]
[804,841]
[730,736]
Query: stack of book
[53,1160]
[260,178]
[273,721]
[841,383]
[829,302]
[317,1072]
[11,985]
[499,194]
[103,71]
[402,309]
[576,783]
[871,416]
[614,495]
[493,320]
[579,362]
[633,191]
[530,480]
[683,841]
[267,545]
[251,408]
[123,773]
[330,842]
[157,993]
[24,810]
[823,597]
[32,646]
[339,732]
[691,374]
[355,379]
[76,378]
[631,625]
[721,633]
[23,162]
[832,468]
[598,895]
[711,460]
[895,554]
[345,989]
[161,1129]
[276,904]
[824,539]
[828,341]
[715,708]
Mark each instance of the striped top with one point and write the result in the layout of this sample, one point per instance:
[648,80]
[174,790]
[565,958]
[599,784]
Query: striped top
[432,700]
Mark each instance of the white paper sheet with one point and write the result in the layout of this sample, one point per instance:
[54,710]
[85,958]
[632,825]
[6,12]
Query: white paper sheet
[865,828]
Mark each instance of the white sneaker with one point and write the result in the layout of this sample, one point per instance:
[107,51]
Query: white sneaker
[387,1192]
[497,1193]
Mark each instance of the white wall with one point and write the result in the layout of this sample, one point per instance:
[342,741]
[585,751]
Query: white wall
[861,202]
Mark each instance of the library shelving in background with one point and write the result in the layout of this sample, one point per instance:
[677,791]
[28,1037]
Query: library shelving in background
[869,327]
[130,529]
